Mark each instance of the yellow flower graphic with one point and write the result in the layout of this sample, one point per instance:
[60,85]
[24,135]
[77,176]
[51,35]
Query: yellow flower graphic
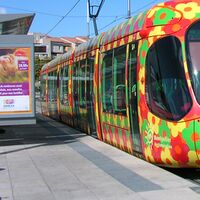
[148,154]
[153,123]
[153,11]
[175,128]
[157,31]
[189,10]
[192,158]
[167,158]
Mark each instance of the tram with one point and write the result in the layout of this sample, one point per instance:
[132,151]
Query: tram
[136,87]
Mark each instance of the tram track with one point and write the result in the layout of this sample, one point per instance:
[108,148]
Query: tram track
[190,174]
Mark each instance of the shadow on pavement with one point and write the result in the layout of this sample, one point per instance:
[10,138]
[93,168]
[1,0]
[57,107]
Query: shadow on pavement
[45,132]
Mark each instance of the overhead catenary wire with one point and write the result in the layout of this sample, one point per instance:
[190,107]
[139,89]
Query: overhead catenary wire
[136,11]
[62,18]
[117,17]
[51,14]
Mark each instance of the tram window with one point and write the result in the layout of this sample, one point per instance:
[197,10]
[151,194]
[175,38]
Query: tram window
[54,86]
[166,88]
[61,85]
[75,84]
[113,78]
[107,80]
[82,83]
[50,86]
[64,86]
[89,80]
[43,87]
[119,63]
[193,49]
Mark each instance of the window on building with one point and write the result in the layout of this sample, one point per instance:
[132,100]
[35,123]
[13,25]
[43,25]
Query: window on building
[40,49]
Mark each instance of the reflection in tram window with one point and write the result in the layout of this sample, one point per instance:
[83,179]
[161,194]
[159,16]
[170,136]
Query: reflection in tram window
[43,87]
[52,83]
[107,90]
[193,49]
[64,86]
[167,92]
[119,63]
[114,98]
[82,83]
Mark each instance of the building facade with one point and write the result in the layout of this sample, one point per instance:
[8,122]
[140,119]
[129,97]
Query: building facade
[50,47]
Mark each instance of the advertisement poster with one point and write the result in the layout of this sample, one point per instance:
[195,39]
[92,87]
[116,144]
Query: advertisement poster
[15,80]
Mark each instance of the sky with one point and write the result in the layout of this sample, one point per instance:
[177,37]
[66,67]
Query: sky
[69,17]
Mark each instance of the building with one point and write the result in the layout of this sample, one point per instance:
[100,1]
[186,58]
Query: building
[50,47]
[44,46]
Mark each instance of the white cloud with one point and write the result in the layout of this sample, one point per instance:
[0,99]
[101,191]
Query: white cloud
[2,11]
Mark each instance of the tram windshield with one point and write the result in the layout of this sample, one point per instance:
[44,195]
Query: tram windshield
[167,92]
[193,58]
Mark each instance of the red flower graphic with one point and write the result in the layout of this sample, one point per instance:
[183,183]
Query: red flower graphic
[179,150]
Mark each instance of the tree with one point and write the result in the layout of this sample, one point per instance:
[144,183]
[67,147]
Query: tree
[38,66]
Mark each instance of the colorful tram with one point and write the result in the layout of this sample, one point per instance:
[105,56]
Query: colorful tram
[136,87]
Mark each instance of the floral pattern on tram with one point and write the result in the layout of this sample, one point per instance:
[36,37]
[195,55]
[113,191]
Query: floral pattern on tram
[166,142]
[116,128]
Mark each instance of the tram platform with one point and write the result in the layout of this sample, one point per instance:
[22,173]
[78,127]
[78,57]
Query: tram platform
[51,161]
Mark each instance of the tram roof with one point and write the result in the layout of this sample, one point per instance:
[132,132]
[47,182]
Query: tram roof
[145,20]
[90,45]
[65,56]
[132,25]
[142,21]
[59,59]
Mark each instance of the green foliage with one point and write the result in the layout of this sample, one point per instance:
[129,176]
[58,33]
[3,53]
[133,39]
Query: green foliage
[38,65]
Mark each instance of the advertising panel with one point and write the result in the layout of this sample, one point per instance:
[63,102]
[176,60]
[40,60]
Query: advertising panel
[15,80]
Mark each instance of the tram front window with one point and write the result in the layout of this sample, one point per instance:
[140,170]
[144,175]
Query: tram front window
[167,93]
[193,58]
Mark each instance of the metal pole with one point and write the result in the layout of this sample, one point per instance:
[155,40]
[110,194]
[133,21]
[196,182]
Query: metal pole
[129,9]
[88,20]
[95,26]
[93,15]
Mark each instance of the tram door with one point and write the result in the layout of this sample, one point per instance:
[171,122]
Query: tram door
[90,96]
[133,108]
